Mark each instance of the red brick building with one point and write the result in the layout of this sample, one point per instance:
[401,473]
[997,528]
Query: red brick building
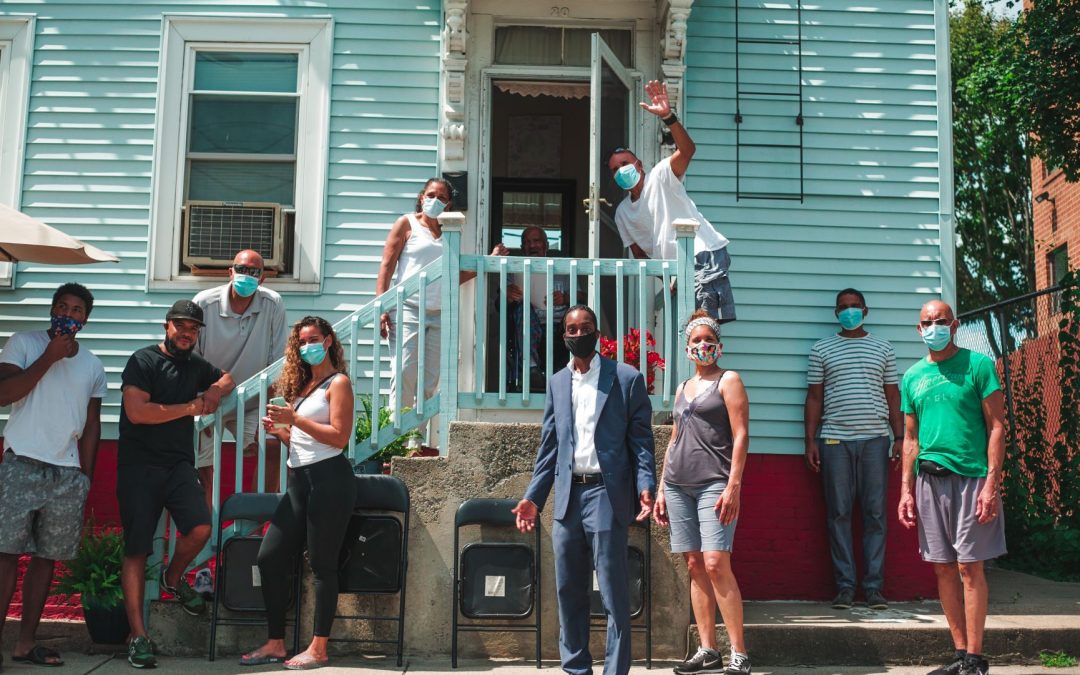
[1057,223]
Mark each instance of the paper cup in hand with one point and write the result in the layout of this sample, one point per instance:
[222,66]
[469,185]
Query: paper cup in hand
[279,401]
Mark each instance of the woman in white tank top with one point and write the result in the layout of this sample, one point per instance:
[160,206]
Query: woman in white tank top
[314,513]
[415,241]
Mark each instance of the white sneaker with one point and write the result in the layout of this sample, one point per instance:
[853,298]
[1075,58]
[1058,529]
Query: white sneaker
[204,583]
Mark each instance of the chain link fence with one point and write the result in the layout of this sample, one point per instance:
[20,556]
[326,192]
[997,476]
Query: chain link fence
[1032,340]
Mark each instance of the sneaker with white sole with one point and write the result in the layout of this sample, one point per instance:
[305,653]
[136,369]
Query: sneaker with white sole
[141,653]
[739,664]
[704,661]
[952,667]
[975,665]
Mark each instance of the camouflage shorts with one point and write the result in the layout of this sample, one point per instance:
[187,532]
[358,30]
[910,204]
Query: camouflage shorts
[41,507]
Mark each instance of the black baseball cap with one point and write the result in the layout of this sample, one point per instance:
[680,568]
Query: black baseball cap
[185,309]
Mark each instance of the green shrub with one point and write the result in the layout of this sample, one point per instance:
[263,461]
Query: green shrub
[95,570]
[397,448]
[1057,659]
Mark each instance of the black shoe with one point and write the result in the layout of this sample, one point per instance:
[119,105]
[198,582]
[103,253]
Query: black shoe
[844,599]
[975,665]
[875,600]
[704,661]
[738,665]
[952,667]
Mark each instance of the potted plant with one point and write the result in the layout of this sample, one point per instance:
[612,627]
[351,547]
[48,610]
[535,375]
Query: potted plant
[398,448]
[94,574]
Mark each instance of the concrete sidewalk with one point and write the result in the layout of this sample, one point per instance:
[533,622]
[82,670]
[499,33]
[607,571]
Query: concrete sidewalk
[83,664]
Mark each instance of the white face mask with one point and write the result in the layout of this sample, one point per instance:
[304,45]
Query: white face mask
[432,207]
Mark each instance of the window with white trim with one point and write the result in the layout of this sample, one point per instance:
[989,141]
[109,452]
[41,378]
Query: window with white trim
[241,153]
[16,47]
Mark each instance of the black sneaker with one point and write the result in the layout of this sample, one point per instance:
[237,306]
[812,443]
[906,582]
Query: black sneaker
[844,599]
[952,667]
[141,653]
[738,665]
[875,600]
[704,661]
[975,665]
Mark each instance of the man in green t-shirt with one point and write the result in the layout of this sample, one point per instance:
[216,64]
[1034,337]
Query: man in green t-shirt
[955,440]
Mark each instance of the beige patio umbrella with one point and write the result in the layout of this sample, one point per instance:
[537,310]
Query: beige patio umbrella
[29,240]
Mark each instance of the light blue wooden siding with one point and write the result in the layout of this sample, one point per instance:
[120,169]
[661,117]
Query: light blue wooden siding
[90,142]
[870,214]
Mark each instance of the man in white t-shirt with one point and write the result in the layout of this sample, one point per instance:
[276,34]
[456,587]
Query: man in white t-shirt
[54,386]
[245,332]
[657,198]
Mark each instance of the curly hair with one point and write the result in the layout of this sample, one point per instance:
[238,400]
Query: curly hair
[442,181]
[296,375]
[712,324]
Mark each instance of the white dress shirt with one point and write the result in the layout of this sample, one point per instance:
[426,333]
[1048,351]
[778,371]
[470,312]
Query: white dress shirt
[583,395]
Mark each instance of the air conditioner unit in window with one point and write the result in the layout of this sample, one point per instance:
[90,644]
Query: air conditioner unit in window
[215,231]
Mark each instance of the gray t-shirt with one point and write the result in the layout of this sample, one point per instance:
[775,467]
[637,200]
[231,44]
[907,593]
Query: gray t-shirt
[855,372]
[242,344]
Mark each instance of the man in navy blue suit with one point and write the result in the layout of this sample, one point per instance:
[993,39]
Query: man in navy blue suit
[596,447]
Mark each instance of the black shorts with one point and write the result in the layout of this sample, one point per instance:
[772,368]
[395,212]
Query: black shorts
[143,490]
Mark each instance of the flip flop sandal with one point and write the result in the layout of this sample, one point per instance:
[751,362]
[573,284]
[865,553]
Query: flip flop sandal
[261,660]
[39,656]
[307,664]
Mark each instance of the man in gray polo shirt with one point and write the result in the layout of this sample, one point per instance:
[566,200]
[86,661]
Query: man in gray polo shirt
[245,332]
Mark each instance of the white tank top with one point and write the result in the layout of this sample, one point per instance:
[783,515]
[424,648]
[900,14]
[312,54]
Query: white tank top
[421,248]
[303,449]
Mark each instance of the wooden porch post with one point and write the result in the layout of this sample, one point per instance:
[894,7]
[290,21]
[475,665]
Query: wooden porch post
[685,231]
[451,224]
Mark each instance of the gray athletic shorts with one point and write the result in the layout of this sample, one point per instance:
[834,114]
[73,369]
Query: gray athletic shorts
[695,521]
[948,529]
[41,507]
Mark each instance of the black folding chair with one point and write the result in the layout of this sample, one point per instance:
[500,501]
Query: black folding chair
[640,590]
[239,588]
[375,555]
[495,580]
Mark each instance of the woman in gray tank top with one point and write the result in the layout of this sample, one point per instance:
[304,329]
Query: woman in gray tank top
[699,493]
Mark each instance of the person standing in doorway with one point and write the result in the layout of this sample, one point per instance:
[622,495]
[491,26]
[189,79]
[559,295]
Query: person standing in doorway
[954,448]
[852,405]
[596,449]
[656,199]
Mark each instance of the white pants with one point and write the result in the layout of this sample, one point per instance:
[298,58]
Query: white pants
[406,377]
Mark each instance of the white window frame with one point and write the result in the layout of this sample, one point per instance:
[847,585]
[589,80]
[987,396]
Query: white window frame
[16,59]
[182,35]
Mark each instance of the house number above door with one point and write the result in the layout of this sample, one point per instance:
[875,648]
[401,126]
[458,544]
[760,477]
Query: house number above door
[560,11]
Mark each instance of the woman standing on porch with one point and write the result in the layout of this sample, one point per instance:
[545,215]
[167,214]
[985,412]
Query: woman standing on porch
[699,492]
[314,513]
[415,241]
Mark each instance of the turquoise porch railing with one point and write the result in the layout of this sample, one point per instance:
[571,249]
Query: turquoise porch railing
[642,297]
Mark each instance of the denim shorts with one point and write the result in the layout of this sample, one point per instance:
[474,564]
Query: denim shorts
[695,521]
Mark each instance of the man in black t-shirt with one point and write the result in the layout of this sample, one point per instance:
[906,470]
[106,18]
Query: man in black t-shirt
[164,387]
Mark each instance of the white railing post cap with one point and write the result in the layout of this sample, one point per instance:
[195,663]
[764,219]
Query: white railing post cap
[452,220]
[686,227]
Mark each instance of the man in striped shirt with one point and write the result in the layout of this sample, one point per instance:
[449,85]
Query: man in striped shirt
[852,402]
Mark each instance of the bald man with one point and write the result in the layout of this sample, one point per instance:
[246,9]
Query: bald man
[245,332]
[954,446]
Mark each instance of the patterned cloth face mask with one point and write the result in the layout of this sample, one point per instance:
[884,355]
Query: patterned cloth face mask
[64,325]
[703,353]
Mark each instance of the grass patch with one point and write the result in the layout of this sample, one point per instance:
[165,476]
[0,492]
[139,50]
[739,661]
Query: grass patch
[1057,659]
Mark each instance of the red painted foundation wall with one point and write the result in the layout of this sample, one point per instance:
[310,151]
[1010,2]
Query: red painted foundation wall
[781,549]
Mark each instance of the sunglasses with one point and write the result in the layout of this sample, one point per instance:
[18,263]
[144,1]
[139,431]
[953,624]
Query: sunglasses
[926,323]
[250,271]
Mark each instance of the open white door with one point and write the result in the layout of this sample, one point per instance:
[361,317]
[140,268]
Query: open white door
[611,123]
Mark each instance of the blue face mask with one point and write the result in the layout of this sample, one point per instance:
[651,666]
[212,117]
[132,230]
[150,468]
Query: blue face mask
[850,318]
[432,207]
[64,325]
[312,354]
[627,176]
[244,285]
[936,337]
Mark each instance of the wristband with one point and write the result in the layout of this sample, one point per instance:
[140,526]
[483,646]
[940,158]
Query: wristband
[670,119]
